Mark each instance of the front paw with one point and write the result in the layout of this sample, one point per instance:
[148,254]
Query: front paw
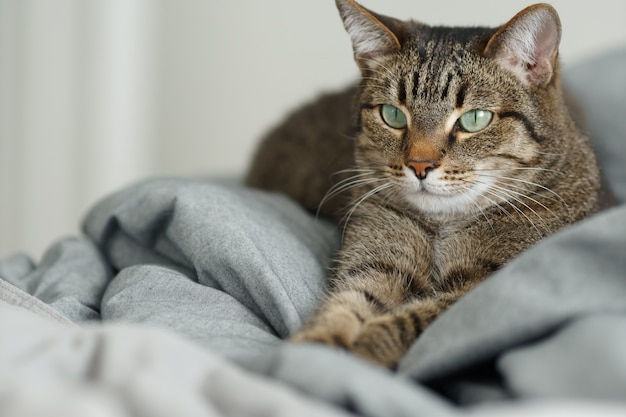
[340,332]
[383,342]
[379,340]
[319,335]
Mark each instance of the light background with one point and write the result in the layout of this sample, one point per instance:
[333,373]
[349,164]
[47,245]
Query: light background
[97,94]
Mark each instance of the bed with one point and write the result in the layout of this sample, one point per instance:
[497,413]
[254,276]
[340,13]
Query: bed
[178,297]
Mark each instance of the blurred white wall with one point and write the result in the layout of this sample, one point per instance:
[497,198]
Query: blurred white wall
[97,94]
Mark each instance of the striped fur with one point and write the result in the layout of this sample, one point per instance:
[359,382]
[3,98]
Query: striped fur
[413,244]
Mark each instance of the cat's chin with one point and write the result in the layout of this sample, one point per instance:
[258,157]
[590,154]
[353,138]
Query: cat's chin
[438,199]
[430,203]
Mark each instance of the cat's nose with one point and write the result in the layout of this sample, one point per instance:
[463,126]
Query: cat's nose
[422,167]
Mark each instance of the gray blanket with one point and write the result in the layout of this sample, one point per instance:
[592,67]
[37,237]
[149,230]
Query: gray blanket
[177,300]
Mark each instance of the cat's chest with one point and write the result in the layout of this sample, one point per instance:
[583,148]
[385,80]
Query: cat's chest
[460,248]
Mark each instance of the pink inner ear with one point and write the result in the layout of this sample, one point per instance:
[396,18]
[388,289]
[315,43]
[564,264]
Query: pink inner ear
[528,45]
[370,36]
[547,42]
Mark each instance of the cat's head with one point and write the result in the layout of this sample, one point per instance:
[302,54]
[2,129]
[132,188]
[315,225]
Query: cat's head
[454,120]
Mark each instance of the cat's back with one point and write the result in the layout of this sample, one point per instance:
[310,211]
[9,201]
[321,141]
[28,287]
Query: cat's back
[304,155]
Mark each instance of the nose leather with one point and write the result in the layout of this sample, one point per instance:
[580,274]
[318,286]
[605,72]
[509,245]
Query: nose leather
[422,167]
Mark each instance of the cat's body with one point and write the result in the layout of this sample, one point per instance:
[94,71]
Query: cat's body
[459,154]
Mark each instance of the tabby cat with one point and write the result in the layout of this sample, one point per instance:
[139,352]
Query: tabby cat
[459,153]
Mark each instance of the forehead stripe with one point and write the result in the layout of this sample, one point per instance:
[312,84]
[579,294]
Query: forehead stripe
[444,93]
[460,96]
[402,91]
[416,79]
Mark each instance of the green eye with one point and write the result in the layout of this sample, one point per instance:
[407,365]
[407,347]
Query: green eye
[475,120]
[393,116]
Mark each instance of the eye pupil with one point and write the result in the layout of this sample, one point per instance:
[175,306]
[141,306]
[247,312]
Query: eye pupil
[393,116]
[475,120]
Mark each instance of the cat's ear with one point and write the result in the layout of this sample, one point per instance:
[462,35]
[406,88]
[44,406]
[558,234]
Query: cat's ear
[372,35]
[528,44]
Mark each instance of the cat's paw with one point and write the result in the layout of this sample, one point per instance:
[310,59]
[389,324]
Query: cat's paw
[382,342]
[340,338]
[320,335]
[339,329]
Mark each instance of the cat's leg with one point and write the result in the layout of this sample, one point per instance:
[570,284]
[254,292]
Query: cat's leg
[386,338]
[340,318]
[338,321]
[373,318]
[374,331]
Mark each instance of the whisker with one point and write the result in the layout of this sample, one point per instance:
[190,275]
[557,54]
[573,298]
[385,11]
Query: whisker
[549,153]
[525,190]
[494,203]
[377,80]
[352,183]
[361,172]
[383,89]
[376,83]
[377,63]
[503,194]
[480,209]
[391,195]
[520,169]
[361,200]
[525,196]
[345,171]
[517,209]
[345,185]
[534,184]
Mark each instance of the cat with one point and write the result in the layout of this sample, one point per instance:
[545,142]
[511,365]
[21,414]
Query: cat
[454,153]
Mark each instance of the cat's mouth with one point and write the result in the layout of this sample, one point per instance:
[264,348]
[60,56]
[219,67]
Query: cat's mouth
[441,193]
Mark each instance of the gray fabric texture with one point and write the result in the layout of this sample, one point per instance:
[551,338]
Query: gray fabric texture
[249,266]
[177,300]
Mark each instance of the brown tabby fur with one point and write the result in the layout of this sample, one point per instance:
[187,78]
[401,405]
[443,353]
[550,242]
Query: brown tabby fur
[416,239]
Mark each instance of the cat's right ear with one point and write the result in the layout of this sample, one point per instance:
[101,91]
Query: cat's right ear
[372,35]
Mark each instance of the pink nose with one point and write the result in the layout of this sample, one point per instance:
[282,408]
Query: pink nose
[422,167]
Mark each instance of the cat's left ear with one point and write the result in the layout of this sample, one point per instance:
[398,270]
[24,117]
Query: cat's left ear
[528,45]
[372,35]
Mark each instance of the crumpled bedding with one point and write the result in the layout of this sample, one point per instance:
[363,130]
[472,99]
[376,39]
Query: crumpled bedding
[178,297]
